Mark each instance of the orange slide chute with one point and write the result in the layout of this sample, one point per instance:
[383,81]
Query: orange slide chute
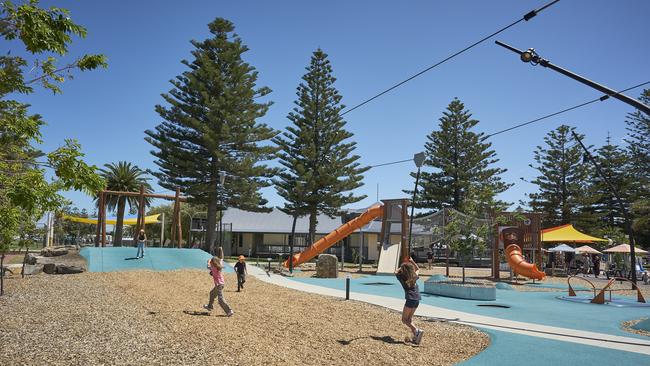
[516,261]
[335,236]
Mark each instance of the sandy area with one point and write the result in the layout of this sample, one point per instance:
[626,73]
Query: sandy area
[627,326]
[137,318]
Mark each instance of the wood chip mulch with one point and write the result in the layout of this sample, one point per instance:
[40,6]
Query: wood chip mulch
[146,318]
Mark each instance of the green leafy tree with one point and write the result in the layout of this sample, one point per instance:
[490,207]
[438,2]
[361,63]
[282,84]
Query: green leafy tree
[25,193]
[210,126]
[563,194]
[320,168]
[470,227]
[188,211]
[462,160]
[123,177]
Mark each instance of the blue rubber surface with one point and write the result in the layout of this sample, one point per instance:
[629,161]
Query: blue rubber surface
[509,349]
[155,259]
[531,307]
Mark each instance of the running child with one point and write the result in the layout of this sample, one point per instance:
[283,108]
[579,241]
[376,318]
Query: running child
[215,265]
[240,269]
[407,274]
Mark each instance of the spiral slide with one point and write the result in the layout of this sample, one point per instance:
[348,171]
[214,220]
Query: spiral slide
[336,235]
[516,261]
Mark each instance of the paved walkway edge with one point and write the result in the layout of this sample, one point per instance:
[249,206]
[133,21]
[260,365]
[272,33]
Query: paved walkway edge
[628,344]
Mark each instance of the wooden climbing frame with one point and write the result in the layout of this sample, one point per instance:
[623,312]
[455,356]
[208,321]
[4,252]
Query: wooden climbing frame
[177,233]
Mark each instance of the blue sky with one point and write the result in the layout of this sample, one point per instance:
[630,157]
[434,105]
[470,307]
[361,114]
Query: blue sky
[372,45]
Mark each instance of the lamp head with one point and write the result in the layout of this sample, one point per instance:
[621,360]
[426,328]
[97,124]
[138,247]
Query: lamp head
[529,56]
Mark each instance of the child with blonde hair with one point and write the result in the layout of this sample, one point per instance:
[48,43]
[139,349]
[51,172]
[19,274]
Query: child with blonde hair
[407,274]
[216,270]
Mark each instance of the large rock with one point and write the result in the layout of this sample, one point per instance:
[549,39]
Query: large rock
[49,268]
[65,269]
[54,252]
[31,259]
[326,266]
[32,269]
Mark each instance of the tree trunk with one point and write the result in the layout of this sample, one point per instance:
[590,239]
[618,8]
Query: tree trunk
[291,242]
[211,224]
[2,274]
[313,220]
[119,225]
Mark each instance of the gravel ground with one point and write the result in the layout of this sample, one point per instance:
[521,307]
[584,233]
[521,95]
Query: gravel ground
[627,326]
[135,318]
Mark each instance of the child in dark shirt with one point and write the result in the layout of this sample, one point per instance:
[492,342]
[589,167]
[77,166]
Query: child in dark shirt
[240,269]
[407,274]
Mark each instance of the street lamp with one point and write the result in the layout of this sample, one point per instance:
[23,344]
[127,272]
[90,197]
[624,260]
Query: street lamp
[418,159]
[530,56]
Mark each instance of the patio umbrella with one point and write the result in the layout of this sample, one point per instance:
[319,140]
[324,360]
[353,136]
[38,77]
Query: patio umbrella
[624,248]
[562,248]
[587,249]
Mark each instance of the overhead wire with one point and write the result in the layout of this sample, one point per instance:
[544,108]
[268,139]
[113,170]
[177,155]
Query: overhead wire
[603,98]
[528,16]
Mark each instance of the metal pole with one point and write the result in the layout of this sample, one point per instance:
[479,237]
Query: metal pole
[609,92]
[347,287]
[415,192]
[162,231]
[626,215]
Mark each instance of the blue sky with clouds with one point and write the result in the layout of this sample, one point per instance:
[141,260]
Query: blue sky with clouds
[372,45]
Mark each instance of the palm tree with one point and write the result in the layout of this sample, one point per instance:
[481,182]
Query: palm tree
[126,178]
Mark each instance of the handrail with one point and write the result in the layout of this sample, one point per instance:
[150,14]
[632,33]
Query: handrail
[600,298]
[572,292]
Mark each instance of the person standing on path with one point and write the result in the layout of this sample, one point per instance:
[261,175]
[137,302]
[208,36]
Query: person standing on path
[142,238]
[429,258]
[407,274]
[596,265]
[240,269]
[215,265]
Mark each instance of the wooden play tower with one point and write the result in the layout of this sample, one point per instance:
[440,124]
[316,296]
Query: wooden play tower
[177,233]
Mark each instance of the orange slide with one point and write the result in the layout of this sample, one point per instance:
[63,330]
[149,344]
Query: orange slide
[518,264]
[336,235]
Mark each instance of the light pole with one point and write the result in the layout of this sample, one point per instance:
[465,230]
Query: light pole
[530,56]
[614,191]
[418,159]
[222,180]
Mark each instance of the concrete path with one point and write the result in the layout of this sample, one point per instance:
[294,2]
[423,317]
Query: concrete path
[608,341]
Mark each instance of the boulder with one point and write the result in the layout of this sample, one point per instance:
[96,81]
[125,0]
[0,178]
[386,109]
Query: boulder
[33,269]
[54,252]
[31,259]
[327,266]
[49,268]
[65,269]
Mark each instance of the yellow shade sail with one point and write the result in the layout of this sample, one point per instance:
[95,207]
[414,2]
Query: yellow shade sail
[567,234]
[151,219]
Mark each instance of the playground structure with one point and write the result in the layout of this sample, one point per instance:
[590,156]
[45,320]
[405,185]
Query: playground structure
[392,253]
[176,232]
[511,239]
[599,294]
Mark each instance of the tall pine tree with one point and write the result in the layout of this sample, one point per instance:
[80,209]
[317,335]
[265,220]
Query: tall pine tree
[320,168]
[461,159]
[210,125]
[613,162]
[562,181]
[638,140]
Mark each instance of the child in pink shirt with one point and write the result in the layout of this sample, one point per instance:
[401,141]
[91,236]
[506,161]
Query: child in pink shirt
[216,270]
